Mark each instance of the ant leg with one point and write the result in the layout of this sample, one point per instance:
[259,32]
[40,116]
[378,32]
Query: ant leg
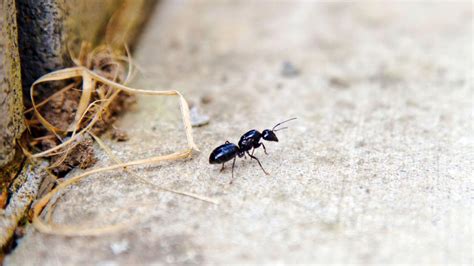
[233,164]
[222,168]
[264,149]
[258,161]
[255,147]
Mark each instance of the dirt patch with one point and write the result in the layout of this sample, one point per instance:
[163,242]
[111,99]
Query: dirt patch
[60,110]
[119,106]
[61,107]
[81,153]
[119,135]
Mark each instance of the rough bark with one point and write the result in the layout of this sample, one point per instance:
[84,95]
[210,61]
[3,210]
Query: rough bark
[11,104]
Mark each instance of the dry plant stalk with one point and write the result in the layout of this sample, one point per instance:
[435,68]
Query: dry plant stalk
[90,113]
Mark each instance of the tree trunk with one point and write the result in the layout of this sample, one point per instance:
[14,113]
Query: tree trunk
[11,104]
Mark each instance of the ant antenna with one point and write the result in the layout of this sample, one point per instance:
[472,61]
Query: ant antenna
[274,128]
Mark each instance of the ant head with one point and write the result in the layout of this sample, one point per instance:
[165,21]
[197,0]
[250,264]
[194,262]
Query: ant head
[269,135]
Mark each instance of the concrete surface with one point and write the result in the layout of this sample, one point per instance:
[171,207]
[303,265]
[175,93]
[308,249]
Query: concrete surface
[377,168]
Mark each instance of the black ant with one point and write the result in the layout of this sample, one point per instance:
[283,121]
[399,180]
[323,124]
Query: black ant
[248,141]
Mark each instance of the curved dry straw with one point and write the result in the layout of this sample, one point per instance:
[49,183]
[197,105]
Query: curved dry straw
[90,81]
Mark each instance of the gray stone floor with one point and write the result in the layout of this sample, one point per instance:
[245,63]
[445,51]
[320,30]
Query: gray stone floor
[377,168]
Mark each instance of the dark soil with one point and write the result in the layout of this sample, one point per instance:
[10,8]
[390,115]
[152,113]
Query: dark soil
[61,109]
[119,135]
[119,106]
[60,112]
[80,153]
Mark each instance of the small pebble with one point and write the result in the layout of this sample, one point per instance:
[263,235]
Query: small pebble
[197,118]
[119,135]
[224,79]
[289,70]
[119,247]
[206,99]
[339,82]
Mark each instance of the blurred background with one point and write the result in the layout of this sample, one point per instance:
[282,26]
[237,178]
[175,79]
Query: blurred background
[377,168]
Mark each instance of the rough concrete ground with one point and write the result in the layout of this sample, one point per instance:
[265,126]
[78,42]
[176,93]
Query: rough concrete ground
[377,168]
